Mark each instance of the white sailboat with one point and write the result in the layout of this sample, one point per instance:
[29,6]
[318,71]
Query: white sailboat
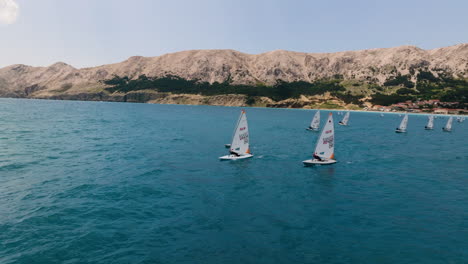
[344,122]
[324,152]
[315,124]
[430,123]
[448,126]
[239,148]
[381,115]
[403,125]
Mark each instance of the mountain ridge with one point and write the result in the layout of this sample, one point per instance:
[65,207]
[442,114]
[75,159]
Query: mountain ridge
[374,66]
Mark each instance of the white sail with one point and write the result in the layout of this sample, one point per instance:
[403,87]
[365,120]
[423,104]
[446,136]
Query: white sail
[430,123]
[448,126]
[315,121]
[325,147]
[240,140]
[345,119]
[403,123]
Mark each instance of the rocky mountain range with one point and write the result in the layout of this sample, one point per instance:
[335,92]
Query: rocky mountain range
[62,81]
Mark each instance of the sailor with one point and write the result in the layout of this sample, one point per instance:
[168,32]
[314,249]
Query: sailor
[234,153]
[317,157]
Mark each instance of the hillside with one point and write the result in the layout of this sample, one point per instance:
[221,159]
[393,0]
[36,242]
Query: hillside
[364,74]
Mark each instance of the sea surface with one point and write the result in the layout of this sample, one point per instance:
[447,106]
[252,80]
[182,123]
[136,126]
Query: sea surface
[98,182]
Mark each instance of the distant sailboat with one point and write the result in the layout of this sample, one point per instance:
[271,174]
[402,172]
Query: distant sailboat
[403,124]
[460,119]
[344,122]
[448,126]
[324,152]
[240,141]
[315,124]
[381,115]
[430,123]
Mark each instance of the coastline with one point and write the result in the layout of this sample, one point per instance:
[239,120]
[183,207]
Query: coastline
[238,106]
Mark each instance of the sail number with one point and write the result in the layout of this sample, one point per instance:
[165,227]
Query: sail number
[245,137]
[329,141]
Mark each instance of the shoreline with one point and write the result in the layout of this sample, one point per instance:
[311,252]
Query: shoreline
[261,107]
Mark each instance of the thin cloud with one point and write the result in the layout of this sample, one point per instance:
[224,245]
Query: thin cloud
[9,10]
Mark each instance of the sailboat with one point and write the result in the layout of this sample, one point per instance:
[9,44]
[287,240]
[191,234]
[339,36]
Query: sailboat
[324,152]
[344,122]
[381,115]
[430,123]
[403,124]
[448,126]
[239,148]
[314,125]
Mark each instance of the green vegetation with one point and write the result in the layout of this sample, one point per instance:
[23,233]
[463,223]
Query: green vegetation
[400,80]
[395,90]
[329,105]
[388,99]
[444,88]
[349,98]
[405,91]
[280,91]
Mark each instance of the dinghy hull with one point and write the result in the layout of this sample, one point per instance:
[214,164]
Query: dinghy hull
[312,129]
[313,162]
[227,145]
[400,131]
[234,157]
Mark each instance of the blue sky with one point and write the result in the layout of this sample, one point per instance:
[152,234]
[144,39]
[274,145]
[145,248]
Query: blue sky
[93,32]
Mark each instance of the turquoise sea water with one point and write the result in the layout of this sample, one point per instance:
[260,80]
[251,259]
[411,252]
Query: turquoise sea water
[91,182]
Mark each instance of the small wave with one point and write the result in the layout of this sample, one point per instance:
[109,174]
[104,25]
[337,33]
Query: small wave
[151,173]
[18,166]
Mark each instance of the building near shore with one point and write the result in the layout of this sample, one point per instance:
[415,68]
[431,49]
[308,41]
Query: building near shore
[442,111]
